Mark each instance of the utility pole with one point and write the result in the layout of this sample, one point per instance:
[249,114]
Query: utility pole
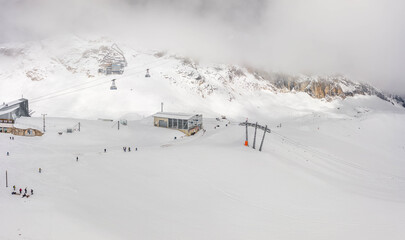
[6,179]
[79,126]
[247,138]
[264,134]
[254,139]
[161,106]
[43,116]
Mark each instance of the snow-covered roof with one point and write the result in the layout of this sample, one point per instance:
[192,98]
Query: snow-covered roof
[7,110]
[9,104]
[174,115]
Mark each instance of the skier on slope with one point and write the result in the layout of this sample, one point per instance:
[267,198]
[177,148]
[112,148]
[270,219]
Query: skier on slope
[32,192]
[20,190]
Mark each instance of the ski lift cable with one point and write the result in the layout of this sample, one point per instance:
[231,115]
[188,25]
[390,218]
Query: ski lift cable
[65,93]
[95,80]
[84,88]
[68,88]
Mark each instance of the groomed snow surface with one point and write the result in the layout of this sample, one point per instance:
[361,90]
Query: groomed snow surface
[336,174]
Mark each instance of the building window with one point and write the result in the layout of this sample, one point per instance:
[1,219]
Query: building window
[182,124]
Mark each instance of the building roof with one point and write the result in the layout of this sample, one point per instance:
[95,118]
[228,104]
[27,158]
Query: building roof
[7,110]
[184,116]
[10,104]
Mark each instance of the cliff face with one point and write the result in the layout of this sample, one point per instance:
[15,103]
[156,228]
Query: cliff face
[328,87]
[236,80]
[318,89]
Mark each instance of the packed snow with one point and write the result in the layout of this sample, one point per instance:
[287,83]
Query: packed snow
[328,170]
[337,174]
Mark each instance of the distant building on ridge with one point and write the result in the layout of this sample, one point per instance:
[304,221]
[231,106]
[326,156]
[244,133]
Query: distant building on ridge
[113,62]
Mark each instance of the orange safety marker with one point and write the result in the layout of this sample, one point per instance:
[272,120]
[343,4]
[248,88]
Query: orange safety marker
[246,143]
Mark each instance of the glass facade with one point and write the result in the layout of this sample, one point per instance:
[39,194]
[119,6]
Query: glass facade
[178,123]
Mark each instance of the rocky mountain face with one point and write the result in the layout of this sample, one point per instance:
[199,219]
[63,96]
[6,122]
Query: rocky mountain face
[327,87]
[232,77]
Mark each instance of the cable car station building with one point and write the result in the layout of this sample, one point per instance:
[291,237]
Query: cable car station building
[9,112]
[186,123]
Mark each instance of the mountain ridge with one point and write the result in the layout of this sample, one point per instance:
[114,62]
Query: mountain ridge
[59,62]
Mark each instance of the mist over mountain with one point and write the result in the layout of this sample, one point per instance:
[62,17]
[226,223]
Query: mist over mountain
[361,39]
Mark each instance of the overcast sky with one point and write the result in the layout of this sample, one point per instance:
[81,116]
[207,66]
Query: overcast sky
[360,38]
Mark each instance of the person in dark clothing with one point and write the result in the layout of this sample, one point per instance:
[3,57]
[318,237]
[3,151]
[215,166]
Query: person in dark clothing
[25,190]
[32,192]
[125,149]
[24,195]
[77,159]
[129,149]
[40,170]
[8,154]
[136,149]
[105,150]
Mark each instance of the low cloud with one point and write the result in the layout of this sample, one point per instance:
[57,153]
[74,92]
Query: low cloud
[360,38]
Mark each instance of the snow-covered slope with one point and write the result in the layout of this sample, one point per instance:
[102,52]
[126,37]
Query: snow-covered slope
[332,175]
[333,170]
[60,77]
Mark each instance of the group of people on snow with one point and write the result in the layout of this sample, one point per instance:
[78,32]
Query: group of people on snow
[20,192]
[128,149]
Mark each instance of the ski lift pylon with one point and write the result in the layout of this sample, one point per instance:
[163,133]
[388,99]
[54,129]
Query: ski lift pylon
[113,87]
